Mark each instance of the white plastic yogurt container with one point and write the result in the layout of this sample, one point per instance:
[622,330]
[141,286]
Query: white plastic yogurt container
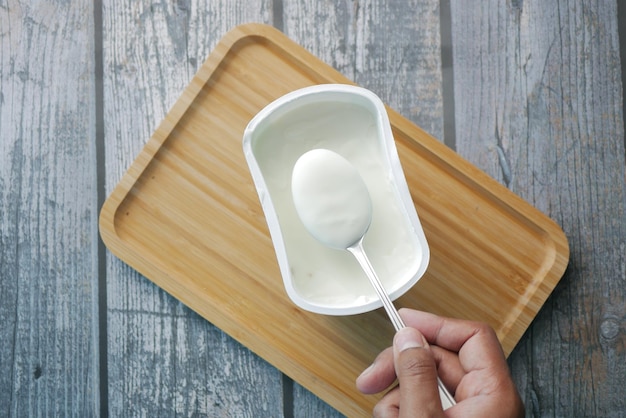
[352,122]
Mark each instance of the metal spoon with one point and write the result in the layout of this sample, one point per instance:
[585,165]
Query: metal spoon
[335,207]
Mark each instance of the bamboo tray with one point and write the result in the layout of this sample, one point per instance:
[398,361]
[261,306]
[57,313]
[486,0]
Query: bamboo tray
[186,215]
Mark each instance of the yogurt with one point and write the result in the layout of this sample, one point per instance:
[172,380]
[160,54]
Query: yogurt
[351,122]
[331,198]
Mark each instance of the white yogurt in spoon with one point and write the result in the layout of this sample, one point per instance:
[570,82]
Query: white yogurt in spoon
[331,198]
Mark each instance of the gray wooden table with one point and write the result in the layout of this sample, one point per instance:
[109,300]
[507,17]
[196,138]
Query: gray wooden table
[529,91]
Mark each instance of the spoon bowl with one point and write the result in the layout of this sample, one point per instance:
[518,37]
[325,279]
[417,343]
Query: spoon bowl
[331,198]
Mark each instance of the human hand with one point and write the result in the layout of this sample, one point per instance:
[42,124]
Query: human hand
[470,362]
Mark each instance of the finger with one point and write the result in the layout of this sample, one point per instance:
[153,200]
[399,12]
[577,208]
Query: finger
[449,367]
[482,350]
[379,376]
[445,332]
[454,334]
[417,375]
[389,405]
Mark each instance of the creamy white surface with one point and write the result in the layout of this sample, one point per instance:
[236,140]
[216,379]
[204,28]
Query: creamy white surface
[331,198]
[320,274]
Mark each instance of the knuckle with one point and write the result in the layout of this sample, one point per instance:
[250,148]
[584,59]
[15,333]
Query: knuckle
[482,328]
[485,327]
[388,406]
[416,362]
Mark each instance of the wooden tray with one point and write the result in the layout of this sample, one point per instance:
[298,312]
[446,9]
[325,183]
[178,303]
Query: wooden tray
[186,215]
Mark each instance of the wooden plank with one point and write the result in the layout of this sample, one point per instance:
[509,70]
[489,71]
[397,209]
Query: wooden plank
[391,48]
[48,214]
[164,359]
[539,107]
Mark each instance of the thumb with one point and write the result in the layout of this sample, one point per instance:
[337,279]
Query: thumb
[417,375]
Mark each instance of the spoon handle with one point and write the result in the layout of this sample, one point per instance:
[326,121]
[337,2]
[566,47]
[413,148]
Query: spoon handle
[359,253]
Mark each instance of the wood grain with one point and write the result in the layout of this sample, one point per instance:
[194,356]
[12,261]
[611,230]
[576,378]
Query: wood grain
[164,359]
[538,106]
[48,285]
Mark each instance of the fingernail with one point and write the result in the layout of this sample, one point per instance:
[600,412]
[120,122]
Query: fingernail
[409,338]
